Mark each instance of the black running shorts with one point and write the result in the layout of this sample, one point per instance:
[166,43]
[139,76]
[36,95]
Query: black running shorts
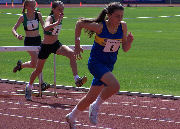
[32,41]
[47,49]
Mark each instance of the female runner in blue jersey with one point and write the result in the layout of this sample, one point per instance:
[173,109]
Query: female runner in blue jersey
[30,20]
[111,34]
[51,44]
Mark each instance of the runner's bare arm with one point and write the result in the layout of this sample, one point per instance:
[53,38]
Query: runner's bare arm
[41,20]
[127,39]
[20,20]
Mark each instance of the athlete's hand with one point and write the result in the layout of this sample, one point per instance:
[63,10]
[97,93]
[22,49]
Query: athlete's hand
[20,37]
[130,38]
[78,51]
[61,15]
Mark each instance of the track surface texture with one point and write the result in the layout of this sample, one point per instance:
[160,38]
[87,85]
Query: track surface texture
[118,112]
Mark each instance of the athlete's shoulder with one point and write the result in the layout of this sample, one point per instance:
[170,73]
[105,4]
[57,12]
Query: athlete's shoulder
[123,22]
[124,25]
[21,18]
[39,13]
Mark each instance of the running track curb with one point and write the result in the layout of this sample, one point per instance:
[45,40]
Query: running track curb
[128,93]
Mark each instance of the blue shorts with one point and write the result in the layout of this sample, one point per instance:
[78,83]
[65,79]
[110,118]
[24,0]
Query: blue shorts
[98,69]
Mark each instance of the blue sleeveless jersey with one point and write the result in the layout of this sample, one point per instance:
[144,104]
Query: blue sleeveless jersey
[100,42]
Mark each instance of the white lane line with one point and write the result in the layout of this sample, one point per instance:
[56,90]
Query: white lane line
[19,14]
[35,105]
[20,116]
[144,17]
[135,105]
[32,107]
[125,18]
[145,118]
[14,108]
[166,100]
[172,109]
[144,106]
[5,114]
[164,16]
[17,103]
[145,101]
[48,120]
[108,103]
[126,102]
[106,113]
[118,115]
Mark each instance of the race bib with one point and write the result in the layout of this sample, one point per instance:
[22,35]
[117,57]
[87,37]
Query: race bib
[31,25]
[56,30]
[111,45]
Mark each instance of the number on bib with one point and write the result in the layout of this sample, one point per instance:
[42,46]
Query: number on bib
[111,45]
[56,30]
[31,25]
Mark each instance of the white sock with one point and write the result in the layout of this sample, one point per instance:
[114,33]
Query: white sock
[41,78]
[74,113]
[76,77]
[30,86]
[98,102]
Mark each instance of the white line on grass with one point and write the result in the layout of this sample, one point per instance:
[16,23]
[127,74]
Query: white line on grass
[124,18]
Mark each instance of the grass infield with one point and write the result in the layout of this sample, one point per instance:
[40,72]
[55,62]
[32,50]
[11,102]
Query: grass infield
[152,65]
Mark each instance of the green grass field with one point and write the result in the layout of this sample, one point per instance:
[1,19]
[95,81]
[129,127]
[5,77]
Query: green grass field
[152,65]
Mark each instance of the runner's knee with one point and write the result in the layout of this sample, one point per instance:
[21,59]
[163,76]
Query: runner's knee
[71,55]
[38,71]
[115,86]
[33,64]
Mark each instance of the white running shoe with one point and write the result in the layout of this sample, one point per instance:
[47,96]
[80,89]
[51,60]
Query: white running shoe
[28,93]
[72,124]
[93,112]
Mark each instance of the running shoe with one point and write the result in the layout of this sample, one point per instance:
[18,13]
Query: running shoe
[28,93]
[81,81]
[72,124]
[18,66]
[93,112]
[44,86]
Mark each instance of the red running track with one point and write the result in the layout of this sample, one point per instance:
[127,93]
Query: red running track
[119,112]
